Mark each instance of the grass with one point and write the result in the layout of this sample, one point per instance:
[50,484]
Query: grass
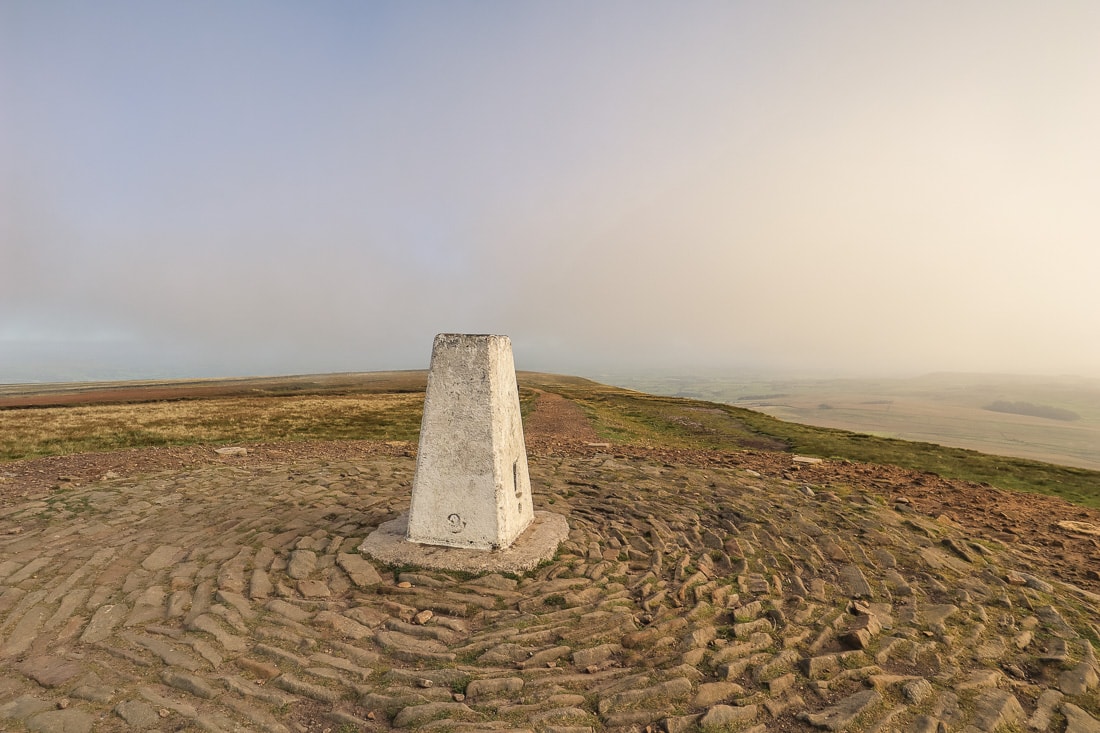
[626,416]
[29,433]
[949,409]
[618,415]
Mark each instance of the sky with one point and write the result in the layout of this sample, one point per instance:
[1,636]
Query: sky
[263,188]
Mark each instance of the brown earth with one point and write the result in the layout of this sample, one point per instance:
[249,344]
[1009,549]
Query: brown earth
[556,426]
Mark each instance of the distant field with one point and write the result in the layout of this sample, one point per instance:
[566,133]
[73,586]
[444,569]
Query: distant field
[948,409]
[387,406]
[78,393]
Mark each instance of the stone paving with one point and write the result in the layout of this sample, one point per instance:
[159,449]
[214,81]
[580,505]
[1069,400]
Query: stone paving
[230,598]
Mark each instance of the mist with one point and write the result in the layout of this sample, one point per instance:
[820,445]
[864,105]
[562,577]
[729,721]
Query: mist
[206,189]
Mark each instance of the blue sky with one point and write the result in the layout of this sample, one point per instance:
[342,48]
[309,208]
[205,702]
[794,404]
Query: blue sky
[209,188]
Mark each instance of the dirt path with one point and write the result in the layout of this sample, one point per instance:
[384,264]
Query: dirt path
[556,422]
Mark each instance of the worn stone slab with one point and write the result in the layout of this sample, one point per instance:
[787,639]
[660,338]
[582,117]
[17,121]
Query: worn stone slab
[1079,680]
[418,714]
[711,693]
[137,714]
[1078,720]
[71,720]
[537,543]
[24,633]
[23,707]
[103,623]
[722,716]
[361,572]
[840,716]
[480,688]
[1044,709]
[995,709]
[162,557]
[50,671]
[302,564]
[854,583]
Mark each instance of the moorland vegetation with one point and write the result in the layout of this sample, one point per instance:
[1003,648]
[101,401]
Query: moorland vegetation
[372,407]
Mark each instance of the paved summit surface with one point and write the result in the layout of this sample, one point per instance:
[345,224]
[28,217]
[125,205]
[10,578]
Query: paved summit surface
[717,593]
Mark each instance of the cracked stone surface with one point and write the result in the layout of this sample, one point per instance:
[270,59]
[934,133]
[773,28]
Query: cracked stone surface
[723,592]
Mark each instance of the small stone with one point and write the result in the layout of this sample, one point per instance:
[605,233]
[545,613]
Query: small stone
[301,564]
[917,691]
[423,617]
[458,697]
[404,584]
[231,451]
[63,703]
[164,712]
[424,683]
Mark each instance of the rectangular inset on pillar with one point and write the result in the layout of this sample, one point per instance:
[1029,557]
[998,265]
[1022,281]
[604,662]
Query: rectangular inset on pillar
[472,487]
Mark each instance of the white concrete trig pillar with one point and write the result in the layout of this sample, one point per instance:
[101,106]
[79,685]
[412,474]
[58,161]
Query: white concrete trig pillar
[472,488]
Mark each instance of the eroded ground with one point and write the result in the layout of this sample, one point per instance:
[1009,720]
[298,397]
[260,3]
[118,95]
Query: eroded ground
[746,591]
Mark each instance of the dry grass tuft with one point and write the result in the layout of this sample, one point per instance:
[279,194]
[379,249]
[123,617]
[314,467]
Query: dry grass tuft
[59,430]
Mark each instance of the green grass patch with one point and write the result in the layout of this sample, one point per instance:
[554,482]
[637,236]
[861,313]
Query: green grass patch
[635,418]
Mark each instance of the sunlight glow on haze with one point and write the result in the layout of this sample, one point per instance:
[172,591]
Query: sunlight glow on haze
[265,188]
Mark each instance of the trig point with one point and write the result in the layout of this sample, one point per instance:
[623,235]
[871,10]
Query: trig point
[471,503]
[471,487]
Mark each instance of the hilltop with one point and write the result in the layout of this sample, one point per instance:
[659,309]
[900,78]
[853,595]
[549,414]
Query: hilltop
[717,575]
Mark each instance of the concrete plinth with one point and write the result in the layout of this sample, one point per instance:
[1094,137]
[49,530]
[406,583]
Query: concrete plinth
[472,490]
[537,543]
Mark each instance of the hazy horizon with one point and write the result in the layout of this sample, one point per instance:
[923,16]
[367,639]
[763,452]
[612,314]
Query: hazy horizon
[852,188]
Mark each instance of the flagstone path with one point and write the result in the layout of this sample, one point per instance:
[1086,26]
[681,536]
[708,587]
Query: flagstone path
[719,594]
